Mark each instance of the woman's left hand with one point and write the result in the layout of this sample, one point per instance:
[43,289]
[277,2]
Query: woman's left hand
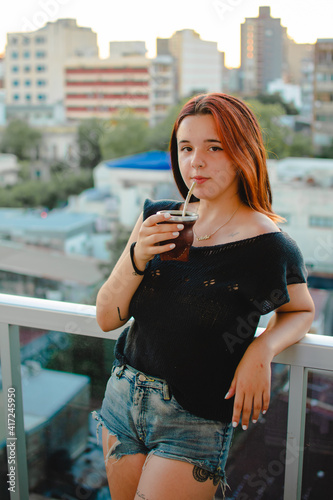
[251,385]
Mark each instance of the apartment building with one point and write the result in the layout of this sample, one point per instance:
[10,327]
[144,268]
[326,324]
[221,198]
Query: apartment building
[198,62]
[34,76]
[100,88]
[262,51]
[323,93]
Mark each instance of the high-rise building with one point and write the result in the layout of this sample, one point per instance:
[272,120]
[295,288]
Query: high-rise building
[35,61]
[262,51]
[323,93]
[198,62]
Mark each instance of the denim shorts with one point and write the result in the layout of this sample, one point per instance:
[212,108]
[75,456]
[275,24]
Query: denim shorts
[146,418]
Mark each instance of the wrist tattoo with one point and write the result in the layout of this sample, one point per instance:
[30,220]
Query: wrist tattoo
[121,319]
[141,495]
[201,475]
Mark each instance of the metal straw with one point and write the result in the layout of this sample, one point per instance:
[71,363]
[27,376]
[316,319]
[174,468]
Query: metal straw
[189,194]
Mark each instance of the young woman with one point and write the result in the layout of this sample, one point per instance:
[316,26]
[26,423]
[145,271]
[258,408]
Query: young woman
[189,369]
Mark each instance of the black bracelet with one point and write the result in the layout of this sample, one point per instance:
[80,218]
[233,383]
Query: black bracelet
[136,270]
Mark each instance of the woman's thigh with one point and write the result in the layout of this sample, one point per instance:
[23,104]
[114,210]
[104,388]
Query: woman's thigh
[123,474]
[164,478]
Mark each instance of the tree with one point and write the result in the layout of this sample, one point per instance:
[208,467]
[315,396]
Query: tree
[88,138]
[20,139]
[126,134]
[280,141]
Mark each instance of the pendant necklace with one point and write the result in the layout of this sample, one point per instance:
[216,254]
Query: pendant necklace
[208,236]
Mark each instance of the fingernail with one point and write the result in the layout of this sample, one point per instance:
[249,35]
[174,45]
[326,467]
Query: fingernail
[175,234]
[180,226]
[225,397]
[254,421]
[167,216]
[264,412]
[172,245]
[234,424]
[244,427]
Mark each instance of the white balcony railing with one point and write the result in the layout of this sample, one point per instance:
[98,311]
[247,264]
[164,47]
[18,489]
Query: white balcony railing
[313,352]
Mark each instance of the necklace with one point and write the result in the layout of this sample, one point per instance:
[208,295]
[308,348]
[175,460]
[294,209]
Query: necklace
[208,236]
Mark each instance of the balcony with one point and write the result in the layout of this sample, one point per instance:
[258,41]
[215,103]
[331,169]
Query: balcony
[298,459]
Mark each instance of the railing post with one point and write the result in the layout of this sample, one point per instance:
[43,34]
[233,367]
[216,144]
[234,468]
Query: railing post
[11,379]
[295,432]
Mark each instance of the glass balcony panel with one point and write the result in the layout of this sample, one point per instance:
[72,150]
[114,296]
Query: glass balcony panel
[318,443]
[256,464]
[63,381]
[4,493]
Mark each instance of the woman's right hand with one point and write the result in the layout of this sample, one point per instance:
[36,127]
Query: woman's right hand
[152,232]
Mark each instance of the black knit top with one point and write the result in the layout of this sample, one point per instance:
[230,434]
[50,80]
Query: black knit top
[194,320]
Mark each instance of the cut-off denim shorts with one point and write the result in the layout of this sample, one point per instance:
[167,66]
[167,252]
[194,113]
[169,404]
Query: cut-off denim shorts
[144,416]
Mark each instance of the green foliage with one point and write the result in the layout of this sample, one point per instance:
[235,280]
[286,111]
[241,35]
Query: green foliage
[89,135]
[125,135]
[20,139]
[46,194]
[276,98]
[326,151]
[280,141]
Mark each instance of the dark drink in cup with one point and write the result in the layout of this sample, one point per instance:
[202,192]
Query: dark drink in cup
[184,241]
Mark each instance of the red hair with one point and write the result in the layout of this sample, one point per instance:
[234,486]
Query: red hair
[241,139]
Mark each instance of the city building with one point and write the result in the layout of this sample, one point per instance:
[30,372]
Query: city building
[127,48]
[262,51]
[295,55]
[198,62]
[100,88]
[323,93]
[163,86]
[34,74]
[302,191]
[134,178]
[44,418]
[34,271]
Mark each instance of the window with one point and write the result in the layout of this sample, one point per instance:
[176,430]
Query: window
[16,83]
[13,41]
[40,69]
[26,54]
[15,69]
[28,97]
[40,53]
[41,97]
[27,83]
[16,97]
[41,83]
[40,39]
[320,221]
[26,41]
[27,69]
[15,54]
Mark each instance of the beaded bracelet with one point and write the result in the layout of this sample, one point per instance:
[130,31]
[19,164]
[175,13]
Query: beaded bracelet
[136,270]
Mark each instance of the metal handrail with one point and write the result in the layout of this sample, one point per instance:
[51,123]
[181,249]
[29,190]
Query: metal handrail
[312,352]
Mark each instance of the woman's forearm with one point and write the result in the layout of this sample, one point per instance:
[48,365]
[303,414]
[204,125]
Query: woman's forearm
[285,329]
[114,297]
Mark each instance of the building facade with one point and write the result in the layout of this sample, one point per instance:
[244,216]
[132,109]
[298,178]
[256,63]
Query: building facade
[198,62]
[323,93]
[262,51]
[34,70]
[100,88]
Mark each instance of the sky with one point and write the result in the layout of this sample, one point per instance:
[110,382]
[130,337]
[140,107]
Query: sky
[214,20]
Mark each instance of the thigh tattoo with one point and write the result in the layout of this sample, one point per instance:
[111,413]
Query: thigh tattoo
[201,475]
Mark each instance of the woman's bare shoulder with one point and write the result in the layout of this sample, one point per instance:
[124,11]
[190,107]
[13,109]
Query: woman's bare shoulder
[255,223]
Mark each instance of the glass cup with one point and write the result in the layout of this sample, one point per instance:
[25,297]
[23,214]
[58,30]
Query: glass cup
[185,238]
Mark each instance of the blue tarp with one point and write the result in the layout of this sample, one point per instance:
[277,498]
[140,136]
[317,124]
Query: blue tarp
[152,160]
